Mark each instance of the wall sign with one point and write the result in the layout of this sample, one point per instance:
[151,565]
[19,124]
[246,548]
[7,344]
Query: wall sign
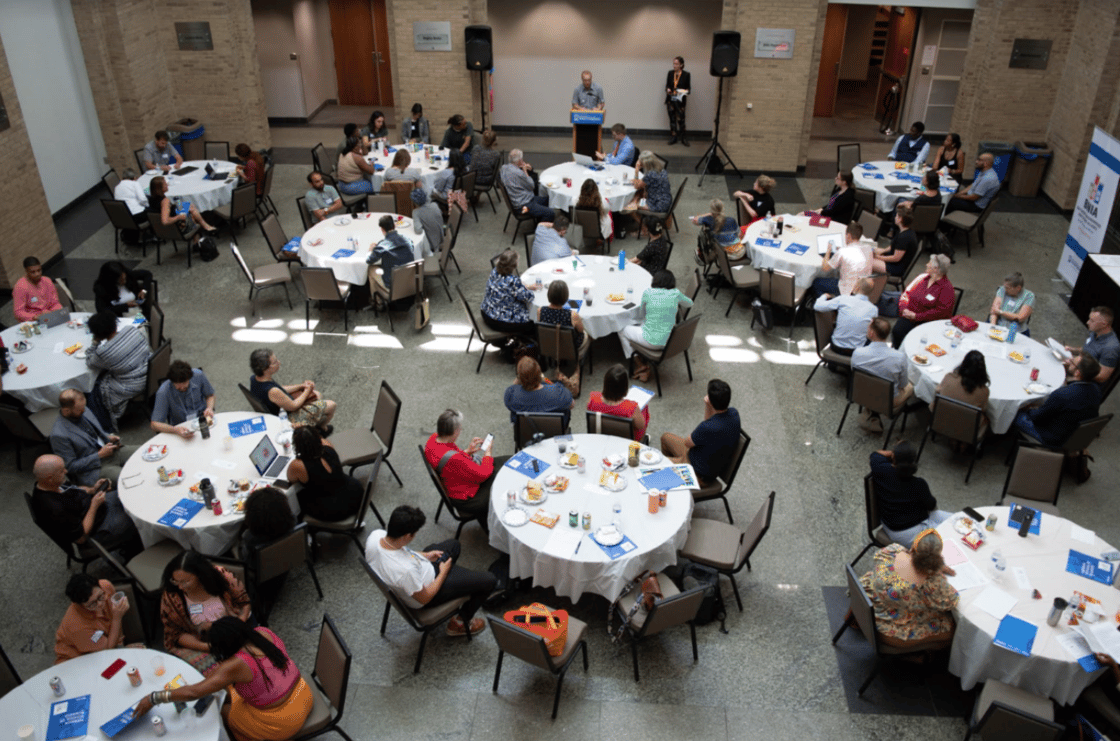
[1030,53]
[774,43]
[431,35]
[194,36]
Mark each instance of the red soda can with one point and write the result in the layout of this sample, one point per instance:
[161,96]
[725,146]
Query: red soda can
[1034,374]
[217,506]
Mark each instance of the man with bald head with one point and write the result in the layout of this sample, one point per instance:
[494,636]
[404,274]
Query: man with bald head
[74,514]
[88,451]
[588,95]
[976,197]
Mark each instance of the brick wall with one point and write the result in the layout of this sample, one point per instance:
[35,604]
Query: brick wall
[28,227]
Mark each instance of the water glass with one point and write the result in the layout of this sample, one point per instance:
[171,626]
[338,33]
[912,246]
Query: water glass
[562,445]
[1026,354]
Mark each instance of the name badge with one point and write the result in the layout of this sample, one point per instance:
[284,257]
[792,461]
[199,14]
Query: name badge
[329,200]
[929,297]
[97,636]
[34,299]
[195,609]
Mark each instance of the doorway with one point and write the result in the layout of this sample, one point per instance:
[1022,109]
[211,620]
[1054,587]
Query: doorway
[360,33]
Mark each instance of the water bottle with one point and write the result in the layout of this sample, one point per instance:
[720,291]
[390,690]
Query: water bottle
[622,259]
[284,424]
[207,491]
[616,520]
[1011,332]
[999,564]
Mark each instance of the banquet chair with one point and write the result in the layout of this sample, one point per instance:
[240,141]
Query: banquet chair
[328,683]
[132,625]
[454,221]
[847,157]
[530,424]
[123,219]
[588,220]
[558,344]
[445,499]
[34,429]
[863,618]
[383,202]
[9,677]
[304,214]
[488,188]
[401,192]
[958,421]
[159,363]
[482,330]
[264,204]
[672,609]
[530,240]
[926,218]
[353,525]
[319,284]
[721,487]
[111,180]
[358,447]
[216,151]
[170,233]
[423,619]
[601,423]
[155,326]
[872,224]
[531,648]
[824,322]
[1083,435]
[779,288]
[957,302]
[435,266]
[83,553]
[898,282]
[266,276]
[242,205]
[65,295]
[726,548]
[741,277]
[267,561]
[466,183]
[692,290]
[1035,475]
[276,238]
[874,393]
[254,403]
[679,342]
[519,217]
[876,536]
[667,216]
[865,201]
[321,160]
[144,570]
[139,154]
[970,223]
[1006,713]
[408,281]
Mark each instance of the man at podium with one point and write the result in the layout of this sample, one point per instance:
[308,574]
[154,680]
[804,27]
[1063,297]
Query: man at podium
[588,96]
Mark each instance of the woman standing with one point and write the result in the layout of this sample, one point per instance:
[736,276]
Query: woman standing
[612,400]
[660,303]
[252,169]
[122,356]
[196,594]
[327,493]
[505,305]
[678,83]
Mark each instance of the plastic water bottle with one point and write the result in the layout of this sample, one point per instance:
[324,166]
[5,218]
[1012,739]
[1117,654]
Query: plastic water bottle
[284,424]
[622,259]
[616,520]
[1011,332]
[999,564]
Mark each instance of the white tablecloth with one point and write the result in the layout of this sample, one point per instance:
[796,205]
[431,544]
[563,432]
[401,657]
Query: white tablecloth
[205,195]
[1007,393]
[50,372]
[805,267]
[613,181]
[657,537]
[146,501]
[421,161]
[334,232]
[884,199]
[30,703]
[1050,670]
[595,272]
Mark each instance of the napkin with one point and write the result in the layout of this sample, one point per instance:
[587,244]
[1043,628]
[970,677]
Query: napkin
[995,602]
[563,541]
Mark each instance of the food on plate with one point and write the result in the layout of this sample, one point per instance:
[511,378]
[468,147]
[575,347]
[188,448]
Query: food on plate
[921,359]
[998,333]
[244,484]
[533,491]
[1016,356]
[21,368]
[614,460]
[547,519]
[73,348]
[609,479]
[935,350]
[240,506]
[556,483]
[572,459]
[195,489]
[616,297]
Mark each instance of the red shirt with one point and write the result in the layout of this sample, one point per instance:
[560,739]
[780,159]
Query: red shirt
[29,301]
[461,475]
[929,301]
[623,409]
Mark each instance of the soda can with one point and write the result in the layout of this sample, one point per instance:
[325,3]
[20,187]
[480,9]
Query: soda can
[217,506]
[511,498]
[654,503]
[1034,374]
[56,687]
[586,520]
[134,676]
[582,464]
[663,496]
[990,525]
[158,726]
[573,519]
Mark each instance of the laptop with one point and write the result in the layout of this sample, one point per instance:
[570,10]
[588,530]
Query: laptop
[184,170]
[582,159]
[268,462]
[898,188]
[212,174]
[823,241]
[54,318]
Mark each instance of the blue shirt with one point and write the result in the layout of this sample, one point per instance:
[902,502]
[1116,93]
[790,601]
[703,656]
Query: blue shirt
[593,98]
[714,442]
[317,199]
[549,245]
[550,397]
[174,407]
[853,315]
[728,234]
[507,299]
[625,155]
[985,186]
[392,252]
[880,359]
[659,195]
[1104,348]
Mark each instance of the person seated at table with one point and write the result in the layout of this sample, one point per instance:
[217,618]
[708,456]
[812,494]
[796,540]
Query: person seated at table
[321,200]
[390,253]
[486,159]
[968,382]
[196,594]
[132,193]
[89,452]
[268,698]
[558,312]
[976,197]
[842,201]
[912,599]
[1102,344]
[427,219]
[654,257]
[654,188]
[1065,408]
[354,173]
[505,305]
[417,128]
[612,400]
[304,405]
[327,492]
[400,169]
[120,290]
[74,514]
[186,394]
[906,505]
[467,474]
[160,207]
[931,190]
[532,393]
[911,146]
[160,155]
[904,244]
[443,182]
[459,136]
[430,577]
[349,131]
[122,356]
[268,516]
[623,152]
[522,188]
[879,358]
[252,168]
[930,296]
[34,293]
[854,261]
[92,621]
[1013,303]
[549,242]
[757,201]
[591,199]
[950,157]
[659,304]
[724,228]
[712,443]
[375,129]
[854,313]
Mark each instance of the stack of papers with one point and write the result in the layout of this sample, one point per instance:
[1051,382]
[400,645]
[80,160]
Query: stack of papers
[995,602]
[640,396]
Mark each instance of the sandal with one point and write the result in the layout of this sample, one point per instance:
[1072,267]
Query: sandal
[456,628]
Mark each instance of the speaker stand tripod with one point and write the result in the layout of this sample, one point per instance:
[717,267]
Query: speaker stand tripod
[482,98]
[702,165]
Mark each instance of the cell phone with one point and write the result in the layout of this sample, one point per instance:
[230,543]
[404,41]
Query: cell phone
[115,667]
[445,557]
[488,441]
[973,514]
[574,304]
[203,705]
[103,486]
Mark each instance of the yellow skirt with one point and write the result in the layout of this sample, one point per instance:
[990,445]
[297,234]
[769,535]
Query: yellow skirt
[248,723]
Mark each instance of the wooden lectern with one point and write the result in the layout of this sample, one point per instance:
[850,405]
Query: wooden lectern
[587,132]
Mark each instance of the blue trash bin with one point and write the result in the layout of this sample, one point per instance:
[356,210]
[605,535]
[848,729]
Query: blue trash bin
[1002,152]
[1031,159]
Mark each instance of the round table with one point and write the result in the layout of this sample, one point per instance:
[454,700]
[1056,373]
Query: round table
[146,501]
[49,370]
[864,175]
[805,266]
[30,703]
[205,195]
[1050,670]
[421,161]
[613,181]
[559,564]
[1007,393]
[600,273]
[322,241]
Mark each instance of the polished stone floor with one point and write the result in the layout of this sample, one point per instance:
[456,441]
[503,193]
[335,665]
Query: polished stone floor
[775,674]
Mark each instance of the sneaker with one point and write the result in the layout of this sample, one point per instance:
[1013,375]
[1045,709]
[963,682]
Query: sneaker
[455,627]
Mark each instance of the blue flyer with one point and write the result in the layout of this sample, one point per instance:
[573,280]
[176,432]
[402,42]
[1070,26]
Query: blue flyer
[1016,634]
[797,249]
[247,427]
[768,242]
[342,253]
[875,176]
[618,550]
[1090,567]
[181,513]
[1013,522]
[69,718]
[292,245]
[663,480]
[117,724]
[523,463]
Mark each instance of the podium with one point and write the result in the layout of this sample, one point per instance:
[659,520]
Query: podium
[587,132]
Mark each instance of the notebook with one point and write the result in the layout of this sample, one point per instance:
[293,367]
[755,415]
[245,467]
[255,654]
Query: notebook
[267,461]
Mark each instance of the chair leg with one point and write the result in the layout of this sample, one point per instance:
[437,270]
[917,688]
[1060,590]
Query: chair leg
[657,376]
[459,531]
[866,548]
[971,463]
[688,366]
[814,371]
[634,653]
[692,629]
[922,446]
[481,355]
[377,515]
[287,296]
[307,312]
[385,619]
[456,261]
[843,626]
[559,684]
[727,506]
[315,578]
[867,682]
[843,417]
[394,472]
[735,588]
[497,670]
[439,510]
[420,653]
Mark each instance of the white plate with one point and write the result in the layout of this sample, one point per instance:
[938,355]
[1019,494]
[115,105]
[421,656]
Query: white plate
[515,517]
[154,453]
[650,456]
[1036,388]
[523,497]
[28,345]
[607,536]
[915,360]
[80,355]
[171,481]
[563,463]
[963,527]
[1024,361]
[341,221]
[621,484]
[617,303]
[553,490]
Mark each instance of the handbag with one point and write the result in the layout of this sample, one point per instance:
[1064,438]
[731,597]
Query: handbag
[964,323]
[549,624]
[651,591]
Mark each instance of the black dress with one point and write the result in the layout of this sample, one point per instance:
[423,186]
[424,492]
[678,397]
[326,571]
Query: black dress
[841,205]
[332,495]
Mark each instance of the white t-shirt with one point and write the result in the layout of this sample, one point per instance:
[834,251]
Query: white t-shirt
[405,570]
[854,261]
[132,193]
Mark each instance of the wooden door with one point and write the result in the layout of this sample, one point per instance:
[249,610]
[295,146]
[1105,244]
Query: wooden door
[383,57]
[361,52]
[832,49]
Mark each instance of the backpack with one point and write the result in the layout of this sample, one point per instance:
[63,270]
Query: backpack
[688,575]
[763,314]
[207,249]
[715,165]
[888,303]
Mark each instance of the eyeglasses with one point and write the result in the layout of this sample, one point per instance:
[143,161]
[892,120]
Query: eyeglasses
[96,602]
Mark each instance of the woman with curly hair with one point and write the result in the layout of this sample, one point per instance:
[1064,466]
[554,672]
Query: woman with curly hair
[327,492]
[267,517]
[196,594]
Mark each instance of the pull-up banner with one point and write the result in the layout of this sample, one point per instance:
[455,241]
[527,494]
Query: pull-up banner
[1094,205]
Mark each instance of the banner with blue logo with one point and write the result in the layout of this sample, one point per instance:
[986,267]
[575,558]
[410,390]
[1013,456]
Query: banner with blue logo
[1094,205]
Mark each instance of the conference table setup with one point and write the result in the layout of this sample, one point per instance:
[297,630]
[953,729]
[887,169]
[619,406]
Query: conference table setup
[430,160]
[568,538]
[896,181]
[613,181]
[192,183]
[87,702]
[1009,366]
[615,295]
[342,243]
[155,485]
[795,250]
[1003,631]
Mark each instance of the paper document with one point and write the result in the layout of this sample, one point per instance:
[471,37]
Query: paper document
[563,541]
[952,554]
[1021,578]
[1101,636]
[219,463]
[639,395]
[995,602]
[1076,646]
[967,577]
[1085,535]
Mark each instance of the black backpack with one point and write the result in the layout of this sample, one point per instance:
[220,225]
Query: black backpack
[688,575]
[207,249]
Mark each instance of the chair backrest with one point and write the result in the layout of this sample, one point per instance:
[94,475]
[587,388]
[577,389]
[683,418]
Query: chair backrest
[279,556]
[9,677]
[155,326]
[120,567]
[408,280]
[391,597]
[1086,433]
[911,261]
[266,188]
[824,322]
[758,528]
[1035,474]
[132,628]
[519,642]
[556,342]
[321,159]
[1002,721]
[1107,386]
[332,664]
[987,211]
[777,287]
[441,488]
[862,609]
[19,425]
[731,466]
[926,217]
[470,314]
[139,154]
[878,285]
[723,262]
[216,151]
[119,215]
[445,250]
[871,223]
[692,290]
[741,213]
[673,207]
[254,403]
[673,611]
[680,339]
[304,214]
[65,294]
[957,303]
[385,417]
[273,234]
[111,180]
[454,220]
[401,190]
[244,201]
[871,506]
[588,219]
[956,419]
[847,157]
[866,199]
[159,363]
[601,423]
[244,267]
[319,284]
[383,202]
[549,424]
[467,184]
[871,391]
